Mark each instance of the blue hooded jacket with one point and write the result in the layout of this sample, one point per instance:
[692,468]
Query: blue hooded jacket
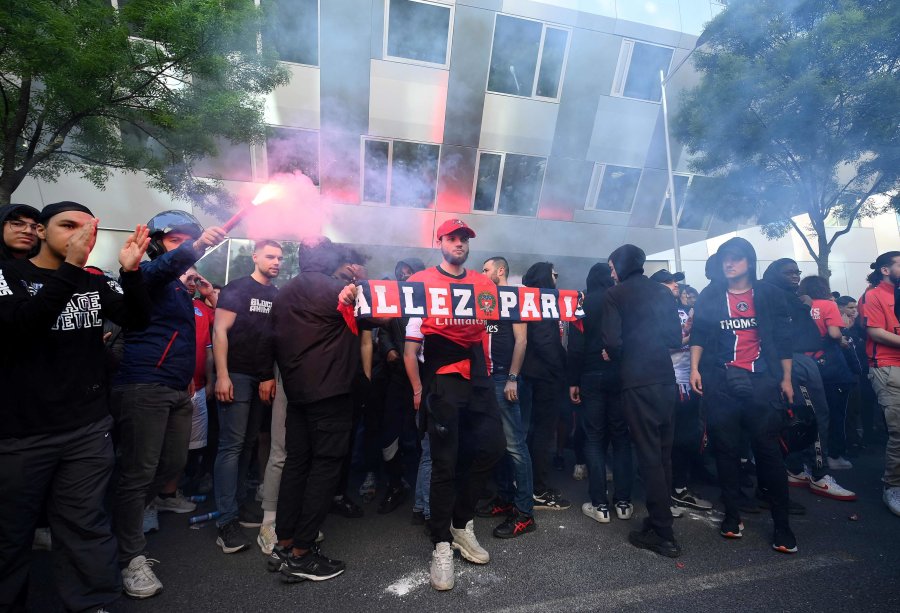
[164,352]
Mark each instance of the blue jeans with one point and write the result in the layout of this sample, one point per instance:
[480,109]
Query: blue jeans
[423,478]
[516,464]
[604,423]
[239,422]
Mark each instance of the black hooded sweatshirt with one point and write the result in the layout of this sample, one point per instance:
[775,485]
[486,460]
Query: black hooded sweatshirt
[545,358]
[317,354]
[804,333]
[711,314]
[15,210]
[639,325]
[585,349]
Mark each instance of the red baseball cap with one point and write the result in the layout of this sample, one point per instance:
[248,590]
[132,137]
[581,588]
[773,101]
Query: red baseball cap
[454,225]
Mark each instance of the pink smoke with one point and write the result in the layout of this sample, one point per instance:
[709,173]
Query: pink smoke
[288,207]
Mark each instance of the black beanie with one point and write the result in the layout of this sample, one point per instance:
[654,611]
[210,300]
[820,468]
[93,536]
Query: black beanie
[61,207]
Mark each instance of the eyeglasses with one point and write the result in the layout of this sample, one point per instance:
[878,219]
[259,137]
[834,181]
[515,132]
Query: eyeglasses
[555,275]
[19,225]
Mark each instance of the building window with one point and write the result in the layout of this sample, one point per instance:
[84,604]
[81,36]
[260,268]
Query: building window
[697,211]
[290,150]
[232,162]
[614,188]
[292,30]
[637,75]
[399,173]
[528,58]
[682,182]
[418,31]
[508,183]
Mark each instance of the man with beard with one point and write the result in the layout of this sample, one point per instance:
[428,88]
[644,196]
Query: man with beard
[242,385]
[461,413]
[804,470]
[883,351]
[19,239]
[741,364]
[638,330]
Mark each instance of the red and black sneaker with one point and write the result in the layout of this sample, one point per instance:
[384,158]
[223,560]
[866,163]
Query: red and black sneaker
[731,528]
[495,508]
[515,525]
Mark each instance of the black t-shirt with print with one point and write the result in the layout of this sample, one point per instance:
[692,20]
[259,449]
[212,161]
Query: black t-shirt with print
[251,302]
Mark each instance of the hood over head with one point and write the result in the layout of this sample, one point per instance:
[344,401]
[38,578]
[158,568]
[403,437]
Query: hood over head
[10,211]
[742,248]
[599,277]
[628,260]
[539,274]
[773,274]
[415,264]
[319,254]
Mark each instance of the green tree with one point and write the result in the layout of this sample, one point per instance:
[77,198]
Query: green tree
[798,111]
[152,87]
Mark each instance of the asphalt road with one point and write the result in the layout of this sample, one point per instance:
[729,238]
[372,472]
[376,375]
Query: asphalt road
[571,563]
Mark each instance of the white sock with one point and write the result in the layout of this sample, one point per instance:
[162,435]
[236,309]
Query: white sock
[268,517]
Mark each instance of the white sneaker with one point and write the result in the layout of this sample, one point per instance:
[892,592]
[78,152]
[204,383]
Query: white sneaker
[599,513]
[829,488]
[465,542]
[138,579]
[267,538]
[580,473]
[43,541]
[839,464]
[442,567]
[800,479]
[677,512]
[175,504]
[624,509]
[892,499]
[151,519]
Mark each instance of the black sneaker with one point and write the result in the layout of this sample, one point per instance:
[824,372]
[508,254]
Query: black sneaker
[312,565]
[393,498]
[495,508]
[551,501]
[649,539]
[250,515]
[689,499]
[794,508]
[278,556]
[784,540]
[515,525]
[731,528]
[346,507]
[231,538]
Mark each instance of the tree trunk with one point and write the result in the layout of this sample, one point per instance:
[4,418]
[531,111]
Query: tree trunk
[5,195]
[824,254]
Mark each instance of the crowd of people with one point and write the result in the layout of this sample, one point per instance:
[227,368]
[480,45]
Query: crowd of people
[124,393]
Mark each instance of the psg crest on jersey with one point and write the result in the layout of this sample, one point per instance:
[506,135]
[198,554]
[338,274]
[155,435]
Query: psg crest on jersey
[742,306]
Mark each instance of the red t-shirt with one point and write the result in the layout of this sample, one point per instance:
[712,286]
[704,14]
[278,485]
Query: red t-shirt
[879,313]
[203,318]
[463,332]
[825,313]
[746,338]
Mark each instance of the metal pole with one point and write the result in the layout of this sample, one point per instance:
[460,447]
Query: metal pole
[665,111]
[227,262]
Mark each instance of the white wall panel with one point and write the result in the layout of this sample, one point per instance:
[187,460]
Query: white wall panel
[518,125]
[297,103]
[407,102]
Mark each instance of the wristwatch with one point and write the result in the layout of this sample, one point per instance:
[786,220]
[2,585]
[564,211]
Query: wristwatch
[513,377]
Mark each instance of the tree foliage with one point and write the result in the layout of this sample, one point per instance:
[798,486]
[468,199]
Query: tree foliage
[151,87]
[798,111]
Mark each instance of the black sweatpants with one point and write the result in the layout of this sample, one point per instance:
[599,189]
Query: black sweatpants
[467,440]
[688,436]
[649,411]
[547,397]
[316,439]
[398,406]
[70,472]
[761,417]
